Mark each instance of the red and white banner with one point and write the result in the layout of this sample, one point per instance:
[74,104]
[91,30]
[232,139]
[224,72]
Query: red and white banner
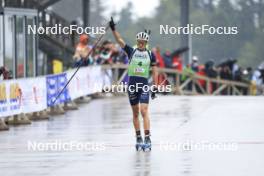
[88,80]
[34,94]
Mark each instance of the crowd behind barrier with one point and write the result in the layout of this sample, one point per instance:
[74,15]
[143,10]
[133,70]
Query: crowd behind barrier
[111,53]
[35,94]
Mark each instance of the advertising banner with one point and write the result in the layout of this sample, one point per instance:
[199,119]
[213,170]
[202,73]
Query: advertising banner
[55,84]
[88,80]
[22,95]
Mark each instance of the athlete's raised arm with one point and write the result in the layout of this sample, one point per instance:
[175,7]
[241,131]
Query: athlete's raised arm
[116,34]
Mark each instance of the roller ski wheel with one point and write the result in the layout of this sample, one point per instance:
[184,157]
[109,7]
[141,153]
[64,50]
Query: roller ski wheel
[147,144]
[139,147]
[146,147]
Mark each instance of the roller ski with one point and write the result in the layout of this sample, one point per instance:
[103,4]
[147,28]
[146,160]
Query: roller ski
[147,144]
[139,143]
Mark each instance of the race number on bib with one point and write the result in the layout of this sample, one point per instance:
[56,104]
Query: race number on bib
[139,70]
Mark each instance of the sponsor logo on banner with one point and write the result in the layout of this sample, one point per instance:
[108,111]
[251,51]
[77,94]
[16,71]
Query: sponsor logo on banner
[22,95]
[3,98]
[55,84]
[15,96]
[10,98]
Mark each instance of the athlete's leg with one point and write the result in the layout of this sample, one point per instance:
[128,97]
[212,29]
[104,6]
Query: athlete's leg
[144,101]
[134,95]
[136,122]
[145,115]
[135,109]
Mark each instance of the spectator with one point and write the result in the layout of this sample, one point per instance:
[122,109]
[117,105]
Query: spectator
[211,72]
[109,53]
[177,63]
[6,74]
[167,59]
[106,51]
[238,74]
[159,58]
[118,55]
[194,64]
[202,82]
[247,74]
[236,70]
[186,73]
[258,80]
[82,51]
[225,73]
[257,76]
[225,70]
[162,77]
[176,58]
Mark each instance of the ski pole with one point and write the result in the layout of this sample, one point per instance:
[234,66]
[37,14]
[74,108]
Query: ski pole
[79,65]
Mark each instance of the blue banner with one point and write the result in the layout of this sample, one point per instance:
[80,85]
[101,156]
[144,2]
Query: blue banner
[55,84]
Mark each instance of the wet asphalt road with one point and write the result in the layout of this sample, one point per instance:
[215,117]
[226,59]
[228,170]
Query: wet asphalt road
[196,136]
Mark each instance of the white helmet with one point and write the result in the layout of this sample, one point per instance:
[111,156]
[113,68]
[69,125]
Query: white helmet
[195,58]
[143,36]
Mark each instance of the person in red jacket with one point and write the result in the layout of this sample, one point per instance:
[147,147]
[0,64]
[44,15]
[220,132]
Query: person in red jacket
[159,58]
[177,62]
[161,64]
[176,58]
[201,71]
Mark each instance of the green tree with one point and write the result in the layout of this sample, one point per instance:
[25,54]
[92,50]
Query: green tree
[247,15]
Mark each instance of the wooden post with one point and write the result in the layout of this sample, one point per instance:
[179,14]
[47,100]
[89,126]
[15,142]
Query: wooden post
[208,86]
[115,75]
[193,86]
[178,82]
[228,90]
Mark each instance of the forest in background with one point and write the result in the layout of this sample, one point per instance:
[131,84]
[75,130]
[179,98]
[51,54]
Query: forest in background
[247,15]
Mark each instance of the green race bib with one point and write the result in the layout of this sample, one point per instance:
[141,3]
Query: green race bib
[139,64]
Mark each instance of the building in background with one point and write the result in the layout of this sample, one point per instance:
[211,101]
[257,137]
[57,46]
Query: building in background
[27,55]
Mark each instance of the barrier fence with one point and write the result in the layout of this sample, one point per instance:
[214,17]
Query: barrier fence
[189,83]
[20,97]
[36,94]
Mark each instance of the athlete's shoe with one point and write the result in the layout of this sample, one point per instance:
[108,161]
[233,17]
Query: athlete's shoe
[147,143]
[139,143]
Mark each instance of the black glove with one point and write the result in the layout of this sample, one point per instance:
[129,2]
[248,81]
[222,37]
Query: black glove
[112,24]
[153,93]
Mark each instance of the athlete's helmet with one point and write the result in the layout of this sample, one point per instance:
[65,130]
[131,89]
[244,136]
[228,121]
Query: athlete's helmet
[143,36]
